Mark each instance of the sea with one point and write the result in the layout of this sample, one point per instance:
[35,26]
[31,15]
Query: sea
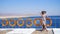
[55,22]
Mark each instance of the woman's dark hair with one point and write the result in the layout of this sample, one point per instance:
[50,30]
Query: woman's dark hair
[43,12]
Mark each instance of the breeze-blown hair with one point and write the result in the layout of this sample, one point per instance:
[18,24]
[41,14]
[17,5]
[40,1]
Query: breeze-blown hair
[43,12]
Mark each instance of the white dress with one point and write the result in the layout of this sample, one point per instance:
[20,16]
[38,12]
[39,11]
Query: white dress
[44,20]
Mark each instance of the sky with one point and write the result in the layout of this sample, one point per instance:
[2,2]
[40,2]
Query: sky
[29,7]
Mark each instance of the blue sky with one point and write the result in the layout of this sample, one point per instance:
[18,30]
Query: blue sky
[22,7]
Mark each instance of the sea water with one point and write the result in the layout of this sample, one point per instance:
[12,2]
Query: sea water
[55,22]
